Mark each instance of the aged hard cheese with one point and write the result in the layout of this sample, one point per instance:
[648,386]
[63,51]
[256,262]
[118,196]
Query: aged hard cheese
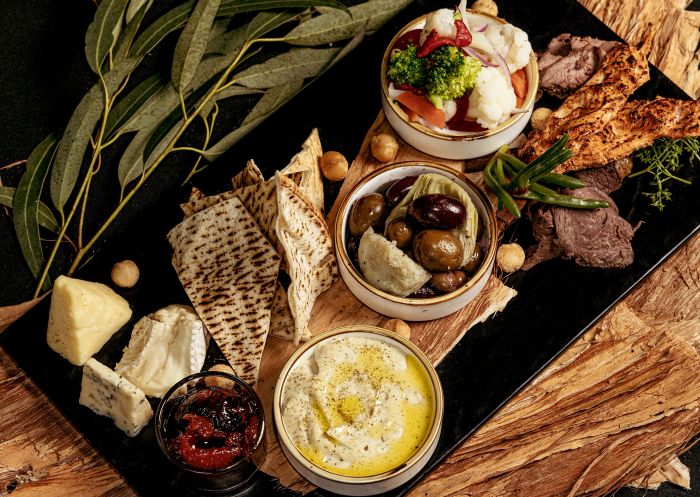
[83,316]
[164,348]
[108,394]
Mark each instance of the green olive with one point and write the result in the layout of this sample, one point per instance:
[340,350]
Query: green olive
[438,250]
[400,231]
[449,281]
[475,260]
[368,212]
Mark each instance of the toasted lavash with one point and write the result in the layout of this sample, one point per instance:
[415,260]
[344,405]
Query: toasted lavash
[308,249]
[306,162]
[250,175]
[229,271]
[282,321]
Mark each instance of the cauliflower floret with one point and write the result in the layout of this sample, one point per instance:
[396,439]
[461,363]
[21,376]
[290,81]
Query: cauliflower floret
[511,42]
[492,99]
[442,21]
[450,109]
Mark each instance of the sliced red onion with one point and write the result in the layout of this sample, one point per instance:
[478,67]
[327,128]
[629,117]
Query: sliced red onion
[394,92]
[503,66]
[474,53]
[482,28]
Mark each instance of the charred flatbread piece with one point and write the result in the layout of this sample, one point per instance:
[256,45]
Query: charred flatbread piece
[308,250]
[229,271]
[282,321]
[306,164]
[249,176]
[591,107]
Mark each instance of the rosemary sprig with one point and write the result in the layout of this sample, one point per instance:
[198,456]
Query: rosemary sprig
[663,160]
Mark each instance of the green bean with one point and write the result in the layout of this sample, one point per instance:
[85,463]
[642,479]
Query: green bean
[553,156]
[498,172]
[503,196]
[564,200]
[554,179]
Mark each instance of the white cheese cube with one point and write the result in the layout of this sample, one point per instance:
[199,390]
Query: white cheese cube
[108,394]
[83,316]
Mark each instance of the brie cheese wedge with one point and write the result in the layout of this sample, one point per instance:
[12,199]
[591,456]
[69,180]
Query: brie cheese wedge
[164,348]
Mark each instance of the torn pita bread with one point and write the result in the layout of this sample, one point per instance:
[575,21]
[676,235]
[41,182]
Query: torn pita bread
[249,176]
[229,271]
[306,163]
[195,194]
[282,321]
[308,251]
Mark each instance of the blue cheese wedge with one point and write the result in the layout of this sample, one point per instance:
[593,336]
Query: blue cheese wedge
[164,348]
[108,394]
[83,316]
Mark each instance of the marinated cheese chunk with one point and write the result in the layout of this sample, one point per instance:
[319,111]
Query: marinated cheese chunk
[108,394]
[83,316]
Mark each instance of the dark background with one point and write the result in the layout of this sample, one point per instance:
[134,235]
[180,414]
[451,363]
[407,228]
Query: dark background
[44,75]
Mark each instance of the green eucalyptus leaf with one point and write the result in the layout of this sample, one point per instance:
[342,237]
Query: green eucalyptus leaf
[298,63]
[265,22]
[193,42]
[46,218]
[171,21]
[273,99]
[136,6]
[99,38]
[25,207]
[336,25]
[126,39]
[76,138]
[231,91]
[231,7]
[128,106]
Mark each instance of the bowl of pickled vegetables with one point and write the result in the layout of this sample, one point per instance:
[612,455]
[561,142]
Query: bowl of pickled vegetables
[458,84]
[415,240]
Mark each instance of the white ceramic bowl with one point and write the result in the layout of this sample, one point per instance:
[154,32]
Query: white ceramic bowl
[355,485]
[463,145]
[414,309]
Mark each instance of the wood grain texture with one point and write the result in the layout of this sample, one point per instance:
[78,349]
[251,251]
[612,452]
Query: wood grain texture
[676,47]
[41,453]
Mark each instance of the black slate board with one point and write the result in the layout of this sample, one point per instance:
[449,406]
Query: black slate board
[45,75]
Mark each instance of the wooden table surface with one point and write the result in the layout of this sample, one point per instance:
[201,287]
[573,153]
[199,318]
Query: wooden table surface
[43,454]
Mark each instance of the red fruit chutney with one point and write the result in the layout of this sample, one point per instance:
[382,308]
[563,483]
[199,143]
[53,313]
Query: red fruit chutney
[214,427]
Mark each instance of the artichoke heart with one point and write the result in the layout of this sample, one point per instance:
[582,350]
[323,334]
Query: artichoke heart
[430,183]
[387,268]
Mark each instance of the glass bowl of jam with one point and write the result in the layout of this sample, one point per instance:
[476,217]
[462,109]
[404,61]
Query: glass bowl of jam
[211,426]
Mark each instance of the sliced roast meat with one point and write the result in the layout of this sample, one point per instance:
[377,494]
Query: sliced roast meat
[607,178]
[594,238]
[569,61]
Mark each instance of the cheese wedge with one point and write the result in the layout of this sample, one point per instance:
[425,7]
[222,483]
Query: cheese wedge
[108,394]
[164,348]
[83,316]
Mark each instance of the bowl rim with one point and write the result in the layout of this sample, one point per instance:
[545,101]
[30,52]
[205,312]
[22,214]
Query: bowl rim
[158,422]
[430,439]
[489,255]
[529,98]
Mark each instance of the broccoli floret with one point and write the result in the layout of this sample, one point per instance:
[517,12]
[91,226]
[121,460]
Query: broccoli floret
[405,68]
[450,75]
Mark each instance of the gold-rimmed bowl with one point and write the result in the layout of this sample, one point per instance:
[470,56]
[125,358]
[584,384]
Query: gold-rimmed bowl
[452,144]
[359,485]
[415,309]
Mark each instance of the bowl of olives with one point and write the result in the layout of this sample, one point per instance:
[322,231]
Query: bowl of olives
[415,240]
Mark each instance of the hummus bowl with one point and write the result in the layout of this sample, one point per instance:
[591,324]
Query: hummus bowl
[358,410]
[408,308]
[452,144]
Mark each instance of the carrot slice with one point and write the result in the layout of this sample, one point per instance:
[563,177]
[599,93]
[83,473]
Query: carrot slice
[424,108]
[519,79]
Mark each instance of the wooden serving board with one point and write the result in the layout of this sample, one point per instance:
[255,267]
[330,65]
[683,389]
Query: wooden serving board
[339,307]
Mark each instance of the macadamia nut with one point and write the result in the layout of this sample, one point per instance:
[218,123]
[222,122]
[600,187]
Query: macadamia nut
[384,147]
[539,117]
[485,7]
[399,327]
[334,166]
[125,274]
[510,257]
[219,381]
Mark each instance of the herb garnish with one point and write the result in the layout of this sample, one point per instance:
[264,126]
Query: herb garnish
[662,161]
